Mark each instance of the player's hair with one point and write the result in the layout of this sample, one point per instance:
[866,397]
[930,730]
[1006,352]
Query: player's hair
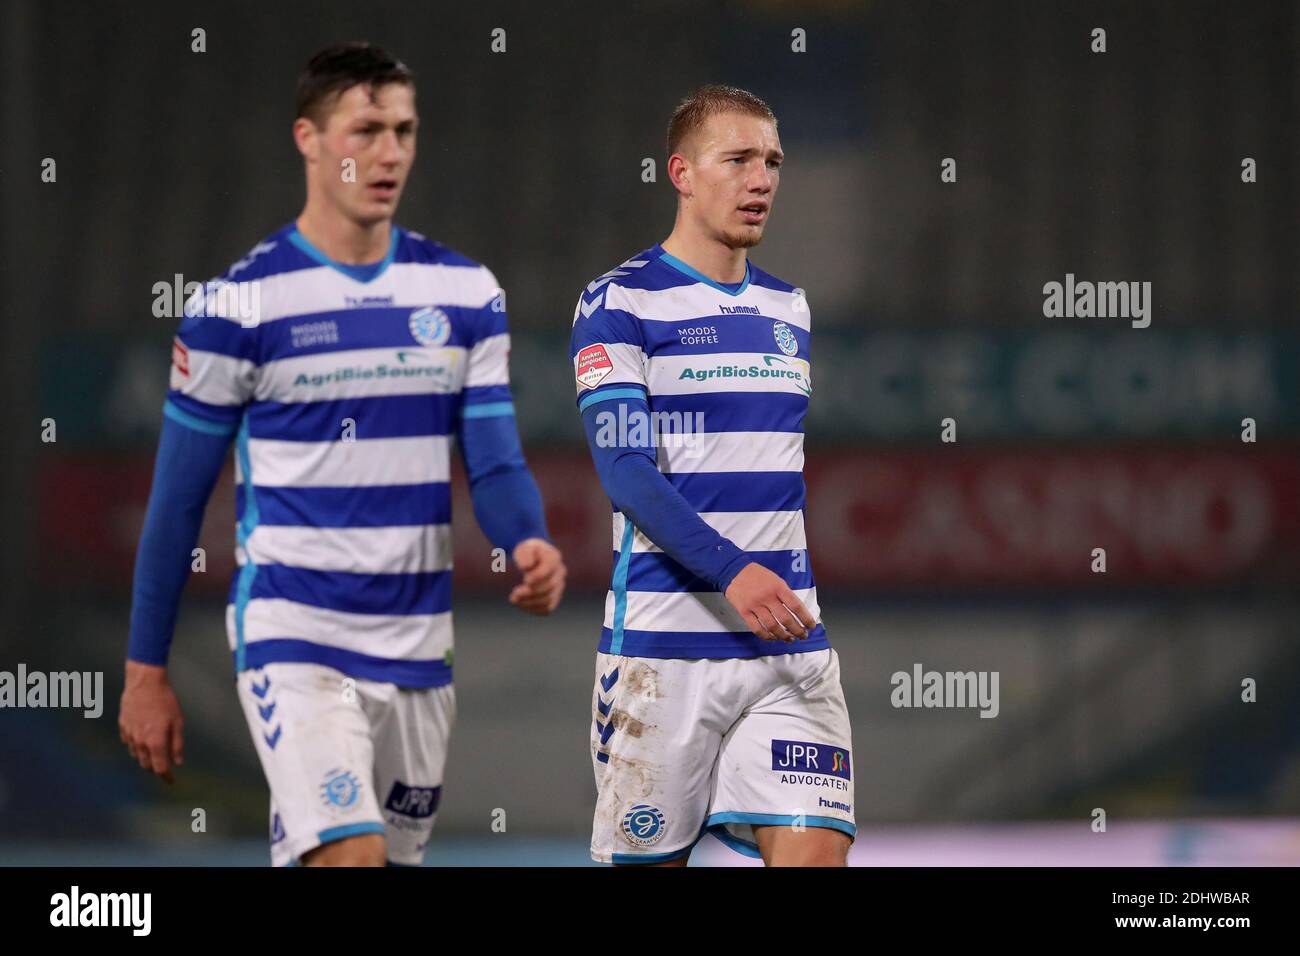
[709,101]
[336,69]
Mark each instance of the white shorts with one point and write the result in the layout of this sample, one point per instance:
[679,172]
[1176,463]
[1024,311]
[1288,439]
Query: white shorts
[346,756]
[686,747]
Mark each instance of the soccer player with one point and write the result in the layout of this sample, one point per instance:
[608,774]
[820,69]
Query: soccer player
[342,355]
[717,705]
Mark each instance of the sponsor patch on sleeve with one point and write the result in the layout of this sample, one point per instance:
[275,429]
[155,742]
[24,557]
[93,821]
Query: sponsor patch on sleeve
[180,358]
[593,366]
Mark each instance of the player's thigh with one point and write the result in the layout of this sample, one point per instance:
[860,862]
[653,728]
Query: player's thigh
[411,739]
[654,745]
[802,845]
[788,762]
[312,737]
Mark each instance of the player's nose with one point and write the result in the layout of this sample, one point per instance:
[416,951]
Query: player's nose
[760,179]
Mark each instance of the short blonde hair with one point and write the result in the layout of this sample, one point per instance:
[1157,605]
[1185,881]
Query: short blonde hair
[709,101]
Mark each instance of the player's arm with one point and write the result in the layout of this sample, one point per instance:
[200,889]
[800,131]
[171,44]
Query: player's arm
[189,460]
[507,503]
[638,489]
[211,380]
[608,360]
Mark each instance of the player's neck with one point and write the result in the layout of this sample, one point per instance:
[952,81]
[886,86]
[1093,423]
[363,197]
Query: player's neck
[343,240]
[706,255]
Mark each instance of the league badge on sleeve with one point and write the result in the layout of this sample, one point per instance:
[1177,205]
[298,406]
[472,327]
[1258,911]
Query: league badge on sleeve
[180,358]
[593,365]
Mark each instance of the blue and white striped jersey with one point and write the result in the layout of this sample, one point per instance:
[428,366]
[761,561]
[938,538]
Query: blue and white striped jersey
[345,386]
[726,374]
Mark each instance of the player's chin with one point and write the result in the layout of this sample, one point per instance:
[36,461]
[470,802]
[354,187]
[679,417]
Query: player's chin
[746,237]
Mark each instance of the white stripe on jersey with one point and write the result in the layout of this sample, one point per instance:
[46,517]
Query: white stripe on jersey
[339,464]
[749,530]
[691,302]
[395,370]
[215,378]
[689,611]
[324,289]
[396,636]
[405,549]
[681,454]
[780,374]
[488,362]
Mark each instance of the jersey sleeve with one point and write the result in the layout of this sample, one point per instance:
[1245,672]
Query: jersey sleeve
[214,363]
[487,375]
[607,349]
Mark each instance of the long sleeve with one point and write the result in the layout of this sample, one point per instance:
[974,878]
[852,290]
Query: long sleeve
[191,452]
[507,504]
[638,489]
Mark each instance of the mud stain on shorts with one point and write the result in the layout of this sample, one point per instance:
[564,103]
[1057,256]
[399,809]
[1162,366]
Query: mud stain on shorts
[641,680]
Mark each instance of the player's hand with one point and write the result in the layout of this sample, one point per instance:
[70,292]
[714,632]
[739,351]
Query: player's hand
[544,573]
[766,603]
[150,719]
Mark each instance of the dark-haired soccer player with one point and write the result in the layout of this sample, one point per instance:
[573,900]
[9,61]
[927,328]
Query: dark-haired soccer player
[343,355]
[717,705]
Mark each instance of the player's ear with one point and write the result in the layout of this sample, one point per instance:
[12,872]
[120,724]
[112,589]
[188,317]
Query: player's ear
[304,137]
[679,174]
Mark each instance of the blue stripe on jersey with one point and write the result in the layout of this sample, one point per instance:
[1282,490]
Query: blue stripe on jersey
[378,506]
[403,673]
[656,571]
[218,335]
[757,491]
[196,422]
[486,394]
[694,645]
[365,328]
[399,594]
[620,584]
[736,333]
[738,411]
[382,416]
[230,415]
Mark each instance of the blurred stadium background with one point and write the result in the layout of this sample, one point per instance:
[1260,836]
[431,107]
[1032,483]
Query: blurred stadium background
[1119,691]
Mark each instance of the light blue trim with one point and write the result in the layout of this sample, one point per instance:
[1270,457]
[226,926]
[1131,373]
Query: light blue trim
[347,830]
[698,276]
[646,858]
[247,524]
[595,398]
[301,242]
[177,414]
[773,820]
[729,839]
[489,410]
[620,585]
